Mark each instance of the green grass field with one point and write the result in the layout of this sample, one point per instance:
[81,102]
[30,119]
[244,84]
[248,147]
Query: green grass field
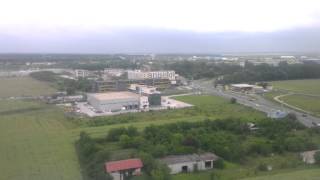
[23,86]
[300,87]
[307,174]
[35,143]
[308,86]
[308,103]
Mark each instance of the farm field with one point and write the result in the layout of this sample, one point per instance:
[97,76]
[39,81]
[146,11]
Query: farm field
[36,143]
[23,86]
[308,86]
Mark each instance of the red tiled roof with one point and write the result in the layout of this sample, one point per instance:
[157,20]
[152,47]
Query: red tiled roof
[123,165]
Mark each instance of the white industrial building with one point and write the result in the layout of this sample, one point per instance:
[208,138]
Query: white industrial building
[138,74]
[143,89]
[81,73]
[117,101]
[190,162]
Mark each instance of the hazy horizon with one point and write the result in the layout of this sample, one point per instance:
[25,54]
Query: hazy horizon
[153,26]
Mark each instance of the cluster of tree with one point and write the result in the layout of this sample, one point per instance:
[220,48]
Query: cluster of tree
[92,158]
[68,85]
[203,69]
[266,72]
[72,86]
[248,73]
[231,139]
[101,65]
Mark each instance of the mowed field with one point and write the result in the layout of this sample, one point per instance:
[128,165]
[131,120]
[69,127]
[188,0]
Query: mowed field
[303,94]
[308,174]
[307,86]
[23,86]
[35,143]
[308,103]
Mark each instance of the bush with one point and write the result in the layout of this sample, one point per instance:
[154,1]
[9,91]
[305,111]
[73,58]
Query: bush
[219,164]
[233,100]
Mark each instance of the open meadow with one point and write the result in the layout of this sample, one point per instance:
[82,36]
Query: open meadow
[23,86]
[306,174]
[35,143]
[306,86]
[303,94]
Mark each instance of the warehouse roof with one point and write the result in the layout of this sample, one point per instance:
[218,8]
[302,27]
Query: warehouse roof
[114,95]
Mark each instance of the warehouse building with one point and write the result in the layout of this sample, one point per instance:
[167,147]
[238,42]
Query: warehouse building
[117,101]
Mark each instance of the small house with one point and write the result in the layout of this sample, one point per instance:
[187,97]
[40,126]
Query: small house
[190,162]
[308,156]
[119,170]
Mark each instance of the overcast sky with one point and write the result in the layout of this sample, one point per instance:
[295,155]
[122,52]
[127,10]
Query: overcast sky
[109,26]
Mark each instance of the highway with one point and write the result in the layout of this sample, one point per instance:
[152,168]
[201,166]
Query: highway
[259,103]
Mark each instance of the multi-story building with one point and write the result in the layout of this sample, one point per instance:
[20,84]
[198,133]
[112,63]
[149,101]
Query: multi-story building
[81,73]
[137,74]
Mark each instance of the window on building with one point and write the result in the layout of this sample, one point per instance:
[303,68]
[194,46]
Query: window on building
[208,164]
[184,168]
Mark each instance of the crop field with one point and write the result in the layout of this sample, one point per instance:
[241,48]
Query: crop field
[35,143]
[308,86]
[206,107]
[23,86]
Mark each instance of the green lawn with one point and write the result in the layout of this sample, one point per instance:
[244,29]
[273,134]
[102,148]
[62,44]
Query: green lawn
[308,86]
[299,87]
[308,103]
[35,143]
[23,86]
[308,174]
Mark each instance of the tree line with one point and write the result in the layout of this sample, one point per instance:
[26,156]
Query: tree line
[231,139]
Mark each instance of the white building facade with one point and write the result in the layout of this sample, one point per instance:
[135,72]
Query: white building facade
[189,163]
[137,74]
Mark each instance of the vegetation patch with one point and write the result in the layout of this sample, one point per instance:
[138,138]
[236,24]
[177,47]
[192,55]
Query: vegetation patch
[23,86]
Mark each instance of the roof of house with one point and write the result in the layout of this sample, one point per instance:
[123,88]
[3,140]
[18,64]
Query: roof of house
[114,95]
[175,159]
[242,85]
[113,166]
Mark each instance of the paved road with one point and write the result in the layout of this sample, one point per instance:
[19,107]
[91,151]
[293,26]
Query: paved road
[259,103]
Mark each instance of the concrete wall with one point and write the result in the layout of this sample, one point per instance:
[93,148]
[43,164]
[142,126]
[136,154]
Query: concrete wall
[177,168]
